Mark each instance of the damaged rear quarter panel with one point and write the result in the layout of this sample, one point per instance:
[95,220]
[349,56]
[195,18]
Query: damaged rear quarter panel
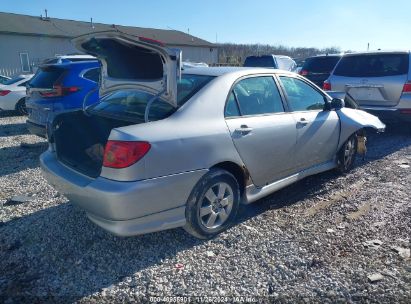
[354,120]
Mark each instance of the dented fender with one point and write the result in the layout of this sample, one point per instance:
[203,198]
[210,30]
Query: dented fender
[355,120]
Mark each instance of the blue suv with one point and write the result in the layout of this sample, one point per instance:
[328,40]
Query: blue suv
[60,87]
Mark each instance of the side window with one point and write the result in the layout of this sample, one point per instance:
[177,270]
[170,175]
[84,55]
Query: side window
[258,95]
[301,96]
[93,74]
[231,109]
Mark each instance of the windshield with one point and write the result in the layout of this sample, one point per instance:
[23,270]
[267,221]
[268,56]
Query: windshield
[13,80]
[321,64]
[131,104]
[377,65]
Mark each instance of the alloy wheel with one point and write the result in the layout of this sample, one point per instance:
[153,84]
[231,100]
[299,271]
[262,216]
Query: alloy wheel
[349,152]
[216,206]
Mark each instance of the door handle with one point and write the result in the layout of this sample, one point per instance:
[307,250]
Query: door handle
[244,129]
[303,122]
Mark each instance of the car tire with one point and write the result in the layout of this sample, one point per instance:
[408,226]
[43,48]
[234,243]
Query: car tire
[213,204]
[347,154]
[21,107]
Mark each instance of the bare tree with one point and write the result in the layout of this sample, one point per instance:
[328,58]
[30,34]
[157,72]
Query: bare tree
[234,54]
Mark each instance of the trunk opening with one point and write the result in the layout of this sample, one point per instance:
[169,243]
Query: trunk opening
[80,140]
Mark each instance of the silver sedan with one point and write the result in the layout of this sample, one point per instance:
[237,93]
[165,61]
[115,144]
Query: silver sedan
[163,150]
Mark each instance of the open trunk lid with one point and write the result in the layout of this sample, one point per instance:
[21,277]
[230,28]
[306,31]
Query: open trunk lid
[132,62]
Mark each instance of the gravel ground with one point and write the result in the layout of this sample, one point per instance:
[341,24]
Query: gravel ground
[320,240]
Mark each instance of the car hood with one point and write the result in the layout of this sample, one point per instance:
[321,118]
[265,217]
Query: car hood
[132,62]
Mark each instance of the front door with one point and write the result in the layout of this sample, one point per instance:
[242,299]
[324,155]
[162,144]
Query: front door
[318,130]
[263,134]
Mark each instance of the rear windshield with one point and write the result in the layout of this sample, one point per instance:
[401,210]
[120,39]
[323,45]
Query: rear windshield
[378,65]
[131,104]
[46,77]
[263,61]
[13,80]
[320,64]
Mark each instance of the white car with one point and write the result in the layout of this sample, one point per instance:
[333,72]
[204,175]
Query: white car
[189,64]
[13,94]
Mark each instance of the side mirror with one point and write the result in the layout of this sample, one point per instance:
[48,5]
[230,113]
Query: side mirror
[337,104]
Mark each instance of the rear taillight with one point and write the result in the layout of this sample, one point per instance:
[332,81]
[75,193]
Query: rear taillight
[326,86]
[407,87]
[59,91]
[303,72]
[405,111]
[122,154]
[4,92]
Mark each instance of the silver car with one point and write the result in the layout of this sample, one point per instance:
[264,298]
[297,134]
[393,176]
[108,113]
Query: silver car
[163,150]
[380,82]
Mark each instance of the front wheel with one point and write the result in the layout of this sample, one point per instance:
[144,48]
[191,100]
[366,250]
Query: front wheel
[347,154]
[21,107]
[213,204]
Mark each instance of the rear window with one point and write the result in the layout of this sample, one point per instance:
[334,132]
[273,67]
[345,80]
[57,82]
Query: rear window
[263,62]
[92,74]
[320,64]
[378,65]
[46,77]
[131,104]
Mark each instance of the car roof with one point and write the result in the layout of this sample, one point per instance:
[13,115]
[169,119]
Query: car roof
[378,52]
[75,56]
[325,55]
[91,63]
[219,71]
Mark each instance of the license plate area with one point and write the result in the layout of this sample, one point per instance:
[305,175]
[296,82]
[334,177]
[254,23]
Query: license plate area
[366,93]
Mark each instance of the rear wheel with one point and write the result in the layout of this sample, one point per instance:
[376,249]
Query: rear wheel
[213,204]
[21,107]
[347,154]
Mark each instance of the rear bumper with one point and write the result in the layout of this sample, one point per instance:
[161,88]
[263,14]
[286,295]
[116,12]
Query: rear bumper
[124,208]
[390,115]
[36,129]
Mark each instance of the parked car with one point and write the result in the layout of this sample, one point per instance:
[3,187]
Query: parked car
[299,62]
[318,68]
[157,153]
[380,82]
[13,94]
[4,79]
[280,62]
[60,87]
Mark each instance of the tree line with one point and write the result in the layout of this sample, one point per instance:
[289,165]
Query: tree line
[235,54]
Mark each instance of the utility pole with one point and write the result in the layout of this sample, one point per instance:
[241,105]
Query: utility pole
[368,46]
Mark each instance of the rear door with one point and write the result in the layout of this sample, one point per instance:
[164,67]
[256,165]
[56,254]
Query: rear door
[318,131]
[263,133]
[372,79]
[132,62]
